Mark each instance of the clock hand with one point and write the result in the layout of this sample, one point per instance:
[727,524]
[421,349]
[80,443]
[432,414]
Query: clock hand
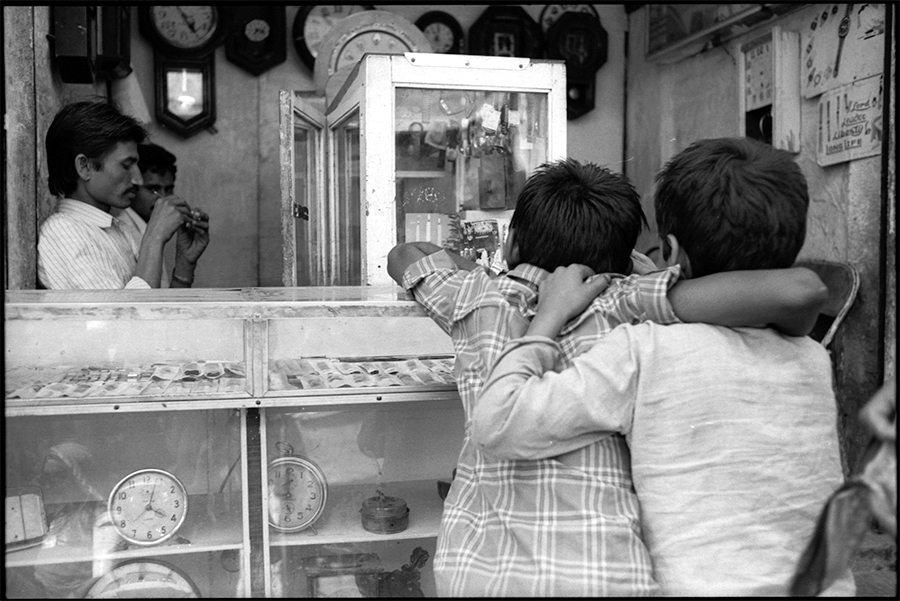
[187,19]
[843,30]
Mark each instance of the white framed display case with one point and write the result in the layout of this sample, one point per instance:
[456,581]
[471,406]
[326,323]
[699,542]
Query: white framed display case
[418,146]
[217,388]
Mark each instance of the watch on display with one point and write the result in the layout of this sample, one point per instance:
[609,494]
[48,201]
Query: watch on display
[144,578]
[504,30]
[148,506]
[182,30]
[443,31]
[297,491]
[257,38]
[313,22]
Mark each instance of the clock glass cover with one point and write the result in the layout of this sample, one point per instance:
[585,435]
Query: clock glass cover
[185,27]
[297,493]
[148,506]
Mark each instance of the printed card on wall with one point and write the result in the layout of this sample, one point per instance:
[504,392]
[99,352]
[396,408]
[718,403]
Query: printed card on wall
[850,122]
[842,43]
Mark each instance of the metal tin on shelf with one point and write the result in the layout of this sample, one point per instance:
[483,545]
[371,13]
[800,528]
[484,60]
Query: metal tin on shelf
[384,515]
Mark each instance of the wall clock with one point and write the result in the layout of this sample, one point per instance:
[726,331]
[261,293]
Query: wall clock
[182,30]
[375,31]
[257,37]
[297,491]
[443,32]
[581,41]
[185,93]
[148,506]
[313,22]
[506,31]
[114,41]
[551,12]
[147,578]
[75,42]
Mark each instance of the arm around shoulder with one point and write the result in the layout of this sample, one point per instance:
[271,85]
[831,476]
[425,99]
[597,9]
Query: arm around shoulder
[788,300]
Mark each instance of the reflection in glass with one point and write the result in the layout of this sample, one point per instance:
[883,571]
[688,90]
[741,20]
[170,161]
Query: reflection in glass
[346,268]
[185,92]
[311,234]
[462,156]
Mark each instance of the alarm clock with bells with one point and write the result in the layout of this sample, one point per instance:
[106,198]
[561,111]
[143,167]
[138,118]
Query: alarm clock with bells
[148,506]
[297,491]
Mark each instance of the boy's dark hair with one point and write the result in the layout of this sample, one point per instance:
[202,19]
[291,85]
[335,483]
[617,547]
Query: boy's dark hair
[733,204]
[156,159]
[89,128]
[568,212]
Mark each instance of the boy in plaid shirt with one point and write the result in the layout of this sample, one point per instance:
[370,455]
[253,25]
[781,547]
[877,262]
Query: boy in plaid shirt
[567,525]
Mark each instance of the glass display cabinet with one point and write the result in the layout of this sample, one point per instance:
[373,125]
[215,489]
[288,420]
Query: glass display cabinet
[414,147]
[225,443]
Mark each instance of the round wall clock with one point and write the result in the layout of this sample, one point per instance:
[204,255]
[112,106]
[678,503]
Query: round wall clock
[504,30]
[182,30]
[551,13]
[297,491]
[256,40]
[147,578]
[375,31]
[442,30]
[148,506]
[312,24]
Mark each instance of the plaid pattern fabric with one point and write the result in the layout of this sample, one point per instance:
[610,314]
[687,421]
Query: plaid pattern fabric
[567,526]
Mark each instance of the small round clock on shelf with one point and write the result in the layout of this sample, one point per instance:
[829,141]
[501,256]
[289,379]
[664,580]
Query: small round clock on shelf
[182,30]
[146,578]
[148,506]
[297,491]
[313,22]
[443,31]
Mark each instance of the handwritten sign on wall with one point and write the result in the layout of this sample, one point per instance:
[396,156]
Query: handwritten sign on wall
[850,122]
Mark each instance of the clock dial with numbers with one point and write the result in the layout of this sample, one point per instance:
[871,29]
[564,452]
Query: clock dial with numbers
[297,493]
[442,30]
[313,22]
[182,29]
[148,506]
[143,578]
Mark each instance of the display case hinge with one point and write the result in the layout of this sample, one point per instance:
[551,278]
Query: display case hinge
[300,212]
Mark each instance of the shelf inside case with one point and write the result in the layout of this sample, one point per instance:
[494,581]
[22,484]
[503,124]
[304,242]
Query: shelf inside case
[203,532]
[341,521]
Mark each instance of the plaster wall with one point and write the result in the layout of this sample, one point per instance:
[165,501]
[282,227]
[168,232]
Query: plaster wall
[670,106]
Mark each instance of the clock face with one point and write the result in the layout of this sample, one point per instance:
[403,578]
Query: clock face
[442,30]
[148,506]
[297,493]
[143,578]
[256,30]
[185,27]
[313,23]
[440,36]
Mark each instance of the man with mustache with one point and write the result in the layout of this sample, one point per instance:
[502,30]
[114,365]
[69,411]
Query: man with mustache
[92,162]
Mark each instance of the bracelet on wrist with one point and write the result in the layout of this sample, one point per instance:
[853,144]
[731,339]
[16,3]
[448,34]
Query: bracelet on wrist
[182,280]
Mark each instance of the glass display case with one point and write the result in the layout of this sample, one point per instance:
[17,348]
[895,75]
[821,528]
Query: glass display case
[414,147]
[225,443]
